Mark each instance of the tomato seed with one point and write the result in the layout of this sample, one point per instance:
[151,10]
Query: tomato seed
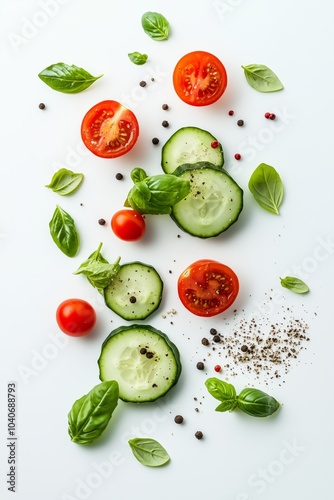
[231,112]
[214,144]
[237,156]
[217,368]
[155,140]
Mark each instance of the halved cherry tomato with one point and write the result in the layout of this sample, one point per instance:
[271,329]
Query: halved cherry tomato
[208,287]
[128,225]
[109,130]
[199,78]
[75,317]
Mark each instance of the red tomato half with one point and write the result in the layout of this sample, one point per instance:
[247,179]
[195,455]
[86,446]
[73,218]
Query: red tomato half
[128,225]
[109,129]
[199,78]
[207,287]
[75,317]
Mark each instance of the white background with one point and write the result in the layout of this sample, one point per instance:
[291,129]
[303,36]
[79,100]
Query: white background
[240,458]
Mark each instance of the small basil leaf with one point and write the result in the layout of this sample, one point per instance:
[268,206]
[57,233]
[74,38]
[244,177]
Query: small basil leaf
[155,25]
[67,79]
[223,392]
[228,405]
[63,232]
[90,415]
[149,452]
[257,403]
[294,284]
[138,174]
[65,182]
[262,78]
[98,270]
[267,188]
[138,58]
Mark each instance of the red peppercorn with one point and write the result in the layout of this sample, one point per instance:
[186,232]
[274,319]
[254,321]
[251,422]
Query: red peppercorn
[267,115]
[217,368]
[272,116]
[237,156]
[214,144]
[231,112]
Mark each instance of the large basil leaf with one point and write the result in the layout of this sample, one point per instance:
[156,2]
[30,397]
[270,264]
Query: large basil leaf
[63,232]
[262,78]
[294,284]
[149,452]
[67,79]
[98,270]
[257,403]
[90,415]
[65,182]
[155,25]
[267,188]
[138,58]
[156,194]
[222,391]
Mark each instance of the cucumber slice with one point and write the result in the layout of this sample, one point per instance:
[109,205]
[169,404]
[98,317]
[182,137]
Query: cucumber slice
[190,145]
[144,362]
[213,204]
[135,292]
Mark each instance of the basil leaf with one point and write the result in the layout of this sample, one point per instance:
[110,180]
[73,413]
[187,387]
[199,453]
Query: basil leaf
[63,232]
[98,270]
[138,174]
[65,182]
[67,79]
[138,58]
[149,452]
[155,25]
[156,194]
[90,415]
[262,78]
[267,188]
[294,284]
[257,403]
[222,391]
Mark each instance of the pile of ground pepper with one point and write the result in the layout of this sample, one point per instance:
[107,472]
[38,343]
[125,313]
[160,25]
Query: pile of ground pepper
[260,347]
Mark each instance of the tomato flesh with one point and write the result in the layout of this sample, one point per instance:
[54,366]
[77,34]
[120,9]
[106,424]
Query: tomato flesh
[208,287]
[75,317]
[199,78]
[128,225]
[109,130]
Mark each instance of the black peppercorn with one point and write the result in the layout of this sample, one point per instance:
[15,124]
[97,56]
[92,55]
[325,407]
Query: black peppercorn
[165,106]
[200,365]
[240,123]
[142,83]
[41,105]
[155,140]
[199,434]
[205,341]
[119,176]
[133,299]
[216,338]
[101,222]
[165,124]
[178,419]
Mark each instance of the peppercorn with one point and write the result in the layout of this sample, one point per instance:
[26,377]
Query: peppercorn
[178,419]
[200,365]
[165,124]
[240,123]
[214,144]
[101,222]
[237,156]
[199,434]
[205,341]
[119,176]
[244,348]
[142,83]
[41,105]
[231,112]
[143,350]
[165,106]
[155,140]
[272,116]
[133,299]
[267,115]
[149,355]
[213,331]
[216,338]
[217,368]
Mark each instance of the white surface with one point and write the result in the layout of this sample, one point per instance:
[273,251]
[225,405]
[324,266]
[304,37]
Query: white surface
[240,458]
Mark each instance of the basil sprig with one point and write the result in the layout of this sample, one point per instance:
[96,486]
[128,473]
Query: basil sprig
[63,232]
[138,58]
[90,415]
[98,270]
[149,452]
[262,78]
[254,402]
[155,194]
[296,285]
[65,182]
[155,25]
[67,79]
[266,186]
